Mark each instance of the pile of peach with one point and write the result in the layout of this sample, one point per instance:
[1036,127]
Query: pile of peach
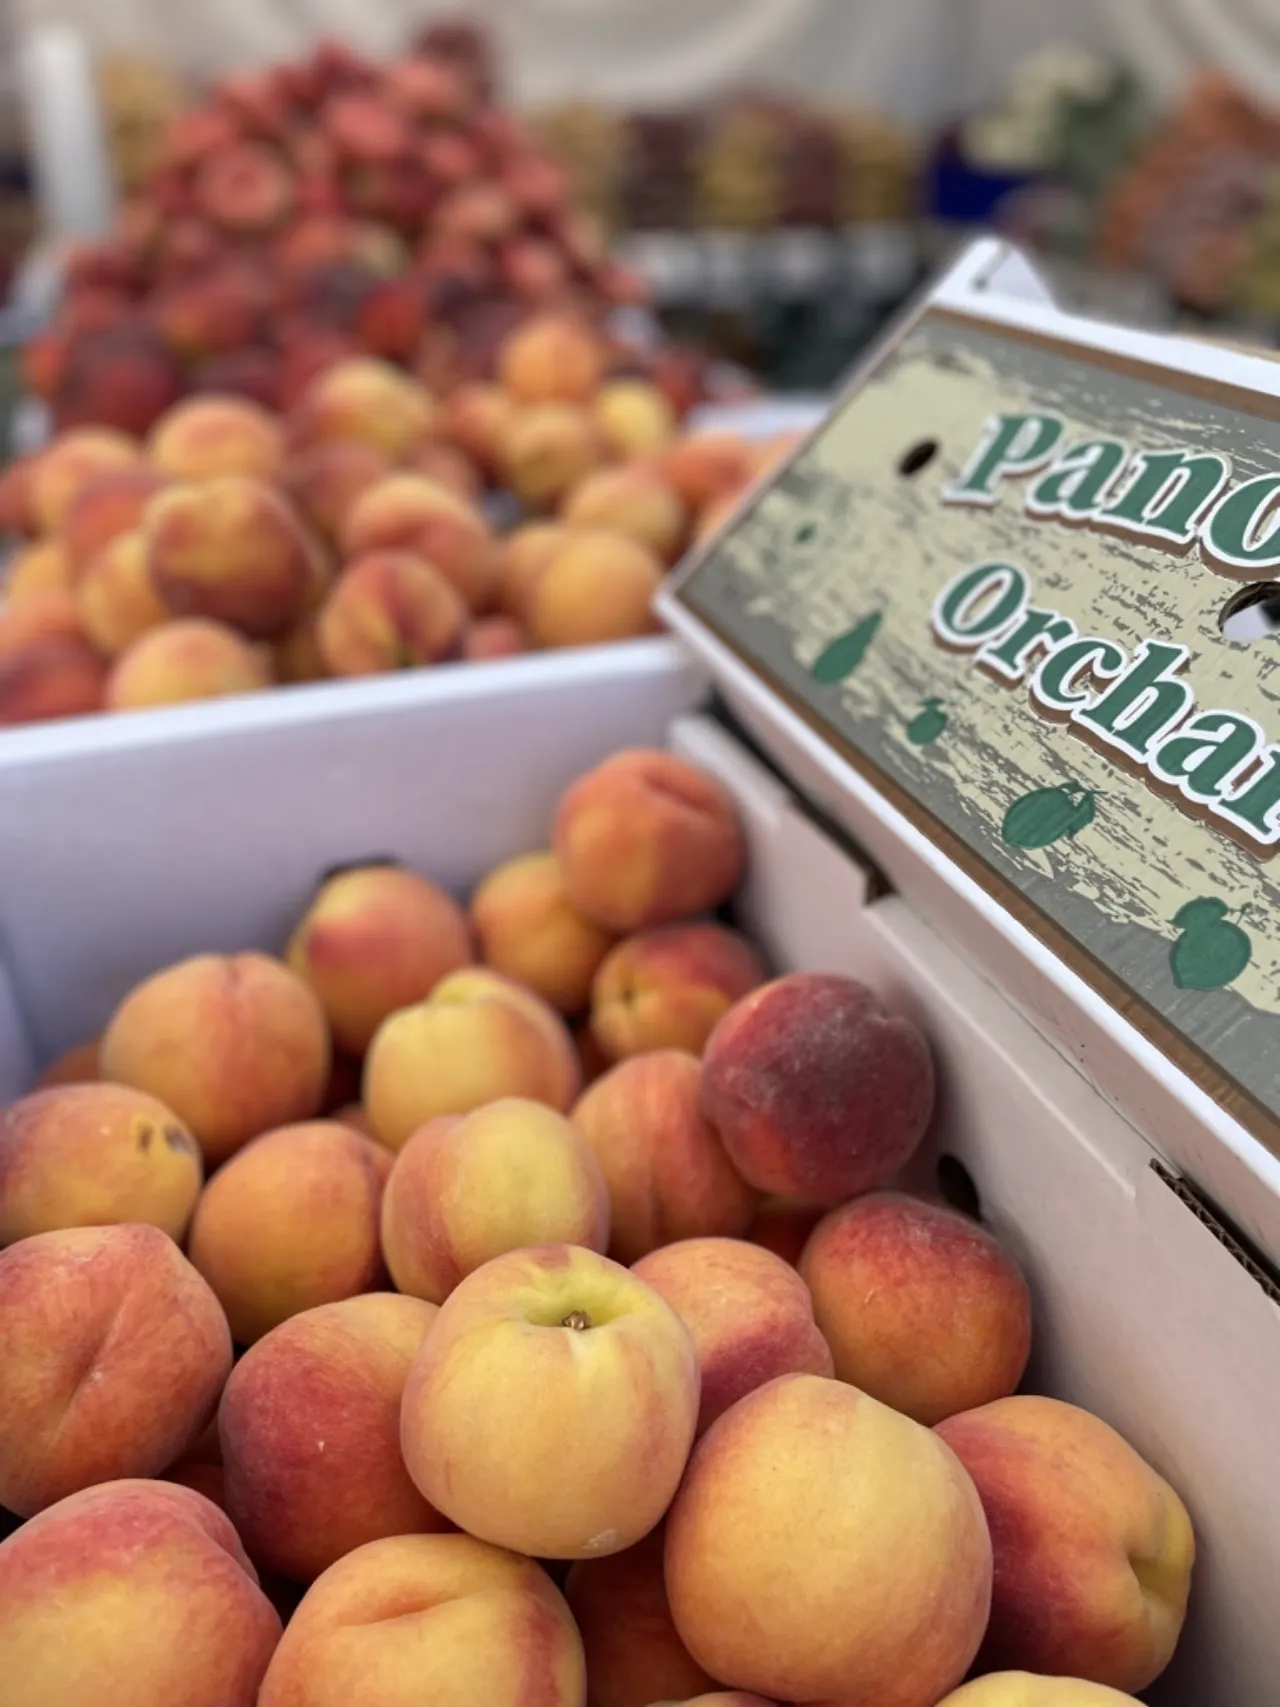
[649,1392]
[234,548]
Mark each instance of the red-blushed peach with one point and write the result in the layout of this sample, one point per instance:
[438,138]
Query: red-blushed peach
[667,988]
[109,505]
[232,549]
[116,598]
[310,1430]
[750,1315]
[524,554]
[646,839]
[133,1594]
[816,1089]
[1020,1689]
[597,587]
[474,417]
[115,1352]
[1093,1550]
[922,1308]
[291,1222]
[528,928]
[86,1155]
[70,463]
[375,939]
[491,638]
[477,1037]
[464,1190]
[635,417]
[783,1227]
[443,1619]
[204,437]
[75,1066]
[633,500]
[552,359]
[411,513]
[178,662]
[634,1655]
[823,1548]
[389,611]
[60,677]
[325,480]
[45,614]
[548,448]
[365,399]
[575,1377]
[667,1172]
[41,567]
[708,466]
[17,518]
[234,1044]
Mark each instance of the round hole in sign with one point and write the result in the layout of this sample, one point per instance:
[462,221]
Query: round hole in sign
[1253,613]
[956,1184]
[917,457]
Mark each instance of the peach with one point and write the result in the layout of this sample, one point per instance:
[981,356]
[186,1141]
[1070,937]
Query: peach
[123,376]
[634,1655]
[635,417]
[246,188]
[108,506]
[82,1155]
[816,1089]
[510,1174]
[366,399]
[597,587]
[749,1312]
[232,549]
[528,928]
[59,677]
[44,614]
[523,556]
[475,417]
[707,467]
[41,567]
[289,1223]
[667,988]
[547,448]
[646,839]
[1093,1550]
[325,480]
[410,513]
[390,610]
[576,1378]
[204,437]
[822,1547]
[447,466]
[922,1308]
[493,638]
[310,1429]
[376,938]
[783,1227]
[1020,1689]
[75,1066]
[16,515]
[181,661]
[115,1351]
[478,1036]
[70,463]
[716,514]
[134,1594]
[552,359]
[634,501]
[667,1173]
[234,1044]
[116,598]
[438,1618]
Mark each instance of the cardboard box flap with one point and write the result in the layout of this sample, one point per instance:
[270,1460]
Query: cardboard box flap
[1023,584]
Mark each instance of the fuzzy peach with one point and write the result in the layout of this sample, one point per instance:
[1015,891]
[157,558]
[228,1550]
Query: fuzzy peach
[524,554]
[510,1174]
[708,466]
[574,1376]
[1020,1689]
[1093,1549]
[749,1312]
[547,449]
[634,1655]
[667,1173]
[389,610]
[368,400]
[634,501]
[202,438]
[922,1308]
[70,463]
[41,567]
[438,1618]
[646,839]
[477,1037]
[597,587]
[115,1353]
[325,480]
[108,506]
[411,513]
[816,1089]
[635,417]
[291,1222]
[374,939]
[177,662]
[475,417]
[133,1594]
[822,1547]
[234,1044]
[667,988]
[59,677]
[116,598]
[44,614]
[310,1431]
[528,928]
[75,1066]
[83,1155]
[552,359]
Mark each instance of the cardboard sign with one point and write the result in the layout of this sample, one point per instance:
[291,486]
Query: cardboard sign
[1032,591]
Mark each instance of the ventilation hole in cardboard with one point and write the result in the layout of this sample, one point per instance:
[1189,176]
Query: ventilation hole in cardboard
[956,1184]
[918,457]
[363,864]
[1253,613]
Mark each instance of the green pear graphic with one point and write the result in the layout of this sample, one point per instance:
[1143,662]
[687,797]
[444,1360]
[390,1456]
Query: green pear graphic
[842,657]
[927,724]
[1047,814]
[1210,952]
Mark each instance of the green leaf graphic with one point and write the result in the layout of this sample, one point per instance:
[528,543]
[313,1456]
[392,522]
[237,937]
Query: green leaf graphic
[1046,815]
[1210,953]
[842,657]
[927,724]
